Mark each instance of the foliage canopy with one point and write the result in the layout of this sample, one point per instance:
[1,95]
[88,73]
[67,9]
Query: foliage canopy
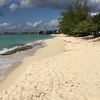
[76,19]
[76,13]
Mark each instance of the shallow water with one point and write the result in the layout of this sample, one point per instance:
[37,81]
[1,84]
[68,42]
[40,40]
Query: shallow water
[11,41]
[8,41]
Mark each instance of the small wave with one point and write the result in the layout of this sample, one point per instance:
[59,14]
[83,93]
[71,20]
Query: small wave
[8,51]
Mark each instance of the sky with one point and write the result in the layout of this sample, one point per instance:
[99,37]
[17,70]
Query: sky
[34,15]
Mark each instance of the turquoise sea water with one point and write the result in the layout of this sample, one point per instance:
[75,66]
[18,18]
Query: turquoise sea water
[10,41]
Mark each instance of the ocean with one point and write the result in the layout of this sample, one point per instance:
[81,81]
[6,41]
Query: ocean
[10,42]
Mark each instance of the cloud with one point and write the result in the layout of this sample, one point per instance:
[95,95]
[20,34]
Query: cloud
[3,2]
[37,23]
[55,4]
[26,3]
[44,3]
[33,26]
[94,13]
[40,25]
[13,7]
[53,23]
[94,5]
[58,4]
[7,26]
[30,26]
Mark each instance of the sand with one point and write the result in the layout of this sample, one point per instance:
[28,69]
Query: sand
[69,69]
[51,47]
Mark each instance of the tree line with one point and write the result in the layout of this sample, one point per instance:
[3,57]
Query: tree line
[76,20]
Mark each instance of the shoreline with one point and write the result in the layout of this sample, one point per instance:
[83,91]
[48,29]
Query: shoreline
[24,47]
[20,67]
[26,53]
[65,69]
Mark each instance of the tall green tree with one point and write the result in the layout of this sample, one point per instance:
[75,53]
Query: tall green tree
[76,12]
[96,20]
[86,26]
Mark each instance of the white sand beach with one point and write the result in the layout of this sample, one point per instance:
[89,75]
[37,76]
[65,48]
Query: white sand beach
[67,68]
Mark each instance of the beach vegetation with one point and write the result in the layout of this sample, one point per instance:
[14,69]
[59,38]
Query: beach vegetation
[76,13]
[86,26]
[96,20]
[76,20]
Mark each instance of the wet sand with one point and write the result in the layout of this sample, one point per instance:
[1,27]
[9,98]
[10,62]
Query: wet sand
[37,54]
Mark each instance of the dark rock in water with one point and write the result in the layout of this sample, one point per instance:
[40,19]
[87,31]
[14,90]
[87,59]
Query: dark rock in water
[24,48]
[17,49]
[21,48]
